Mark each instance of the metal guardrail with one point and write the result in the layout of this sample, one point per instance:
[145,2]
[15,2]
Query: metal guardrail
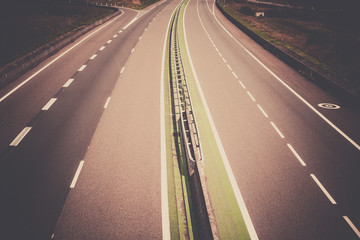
[203,214]
[189,128]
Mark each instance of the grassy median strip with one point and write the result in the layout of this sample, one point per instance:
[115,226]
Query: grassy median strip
[178,188]
[229,219]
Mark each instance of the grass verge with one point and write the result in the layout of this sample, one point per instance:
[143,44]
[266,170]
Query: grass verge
[178,189]
[228,216]
[28,26]
[327,39]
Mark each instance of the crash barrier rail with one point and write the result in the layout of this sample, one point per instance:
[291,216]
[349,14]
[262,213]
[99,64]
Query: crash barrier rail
[187,117]
[202,211]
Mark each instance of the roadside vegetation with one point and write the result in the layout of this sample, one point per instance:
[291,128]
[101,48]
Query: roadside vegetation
[326,33]
[29,24]
[135,4]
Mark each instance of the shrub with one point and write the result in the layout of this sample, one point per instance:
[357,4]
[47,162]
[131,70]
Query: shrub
[247,11]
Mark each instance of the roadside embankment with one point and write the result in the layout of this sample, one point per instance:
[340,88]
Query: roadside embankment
[19,66]
[339,87]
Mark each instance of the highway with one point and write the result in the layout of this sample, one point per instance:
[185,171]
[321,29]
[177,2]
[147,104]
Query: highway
[81,145]
[47,124]
[293,161]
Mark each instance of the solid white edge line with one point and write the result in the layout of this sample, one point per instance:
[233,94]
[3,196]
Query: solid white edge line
[57,58]
[20,137]
[234,185]
[132,21]
[296,155]
[213,8]
[49,104]
[323,188]
[262,110]
[67,84]
[165,216]
[277,130]
[82,68]
[352,226]
[73,183]
[291,90]
[107,102]
[251,96]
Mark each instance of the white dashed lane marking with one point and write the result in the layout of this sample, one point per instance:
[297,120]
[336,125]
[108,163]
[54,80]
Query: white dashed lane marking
[353,227]
[235,75]
[20,137]
[242,84]
[277,130]
[67,84]
[323,189]
[82,68]
[73,183]
[49,104]
[262,110]
[251,96]
[296,155]
[107,102]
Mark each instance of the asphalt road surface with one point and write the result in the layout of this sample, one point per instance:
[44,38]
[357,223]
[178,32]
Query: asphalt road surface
[80,138]
[298,175]
[47,125]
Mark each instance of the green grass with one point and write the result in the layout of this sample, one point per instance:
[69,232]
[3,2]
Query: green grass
[228,216]
[172,179]
[179,196]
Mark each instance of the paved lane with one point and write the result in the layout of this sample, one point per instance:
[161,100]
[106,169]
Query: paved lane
[22,105]
[118,192]
[269,133]
[37,170]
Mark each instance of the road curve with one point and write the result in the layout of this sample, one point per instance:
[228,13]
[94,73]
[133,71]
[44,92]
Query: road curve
[118,193]
[47,124]
[297,174]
